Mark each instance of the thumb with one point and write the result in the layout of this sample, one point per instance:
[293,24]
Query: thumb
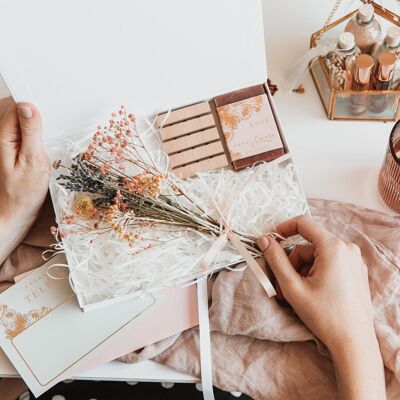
[31,130]
[279,262]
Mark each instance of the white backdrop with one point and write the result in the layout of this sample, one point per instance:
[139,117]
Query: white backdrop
[80,60]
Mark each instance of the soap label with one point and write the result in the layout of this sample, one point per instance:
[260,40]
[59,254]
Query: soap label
[249,127]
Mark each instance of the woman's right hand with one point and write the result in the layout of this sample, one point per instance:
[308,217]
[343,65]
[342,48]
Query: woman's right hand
[326,283]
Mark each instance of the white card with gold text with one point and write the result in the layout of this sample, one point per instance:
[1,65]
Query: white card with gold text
[46,335]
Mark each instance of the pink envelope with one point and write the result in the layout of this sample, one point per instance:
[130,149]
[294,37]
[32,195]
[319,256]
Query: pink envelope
[175,314]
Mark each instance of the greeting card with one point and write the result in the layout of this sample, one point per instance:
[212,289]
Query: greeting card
[46,335]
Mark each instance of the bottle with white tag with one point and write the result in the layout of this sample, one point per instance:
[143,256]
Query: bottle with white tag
[340,61]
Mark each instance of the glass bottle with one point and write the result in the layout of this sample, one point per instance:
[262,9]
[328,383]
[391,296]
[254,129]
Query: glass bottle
[391,43]
[361,81]
[365,28]
[382,80]
[340,61]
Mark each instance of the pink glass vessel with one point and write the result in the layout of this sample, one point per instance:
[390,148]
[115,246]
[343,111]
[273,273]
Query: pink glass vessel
[389,177]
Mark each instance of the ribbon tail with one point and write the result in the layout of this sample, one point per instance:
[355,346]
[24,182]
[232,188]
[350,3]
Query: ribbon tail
[205,340]
[217,245]
[252,264]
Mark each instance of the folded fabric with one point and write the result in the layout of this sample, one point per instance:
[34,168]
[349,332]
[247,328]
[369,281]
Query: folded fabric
[259,347]
[28,255]
[262,349]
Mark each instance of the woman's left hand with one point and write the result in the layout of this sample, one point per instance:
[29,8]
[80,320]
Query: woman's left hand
[24,173]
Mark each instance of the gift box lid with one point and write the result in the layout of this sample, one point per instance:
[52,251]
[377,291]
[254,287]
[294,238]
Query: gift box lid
[80,60]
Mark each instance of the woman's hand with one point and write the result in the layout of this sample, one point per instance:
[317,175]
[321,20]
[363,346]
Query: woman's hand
[326,283]
[24,173]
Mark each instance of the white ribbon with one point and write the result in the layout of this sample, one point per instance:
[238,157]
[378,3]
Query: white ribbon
[216,247]
[226,233]
[205,340]
[252,264]
[202,298]
[297,73]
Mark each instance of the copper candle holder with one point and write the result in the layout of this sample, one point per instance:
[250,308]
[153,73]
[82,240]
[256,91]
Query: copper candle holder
[389,177]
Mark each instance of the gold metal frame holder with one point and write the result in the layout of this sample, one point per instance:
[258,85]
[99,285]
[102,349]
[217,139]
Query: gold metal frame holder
[335,94]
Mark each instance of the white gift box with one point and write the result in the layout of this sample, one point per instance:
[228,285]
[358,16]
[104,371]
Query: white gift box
[78,61]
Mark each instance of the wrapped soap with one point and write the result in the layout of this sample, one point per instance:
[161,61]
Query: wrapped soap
[249,127]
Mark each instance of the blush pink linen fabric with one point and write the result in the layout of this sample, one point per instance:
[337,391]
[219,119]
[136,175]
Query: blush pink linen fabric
[28,255]
[262,349]
[259,347]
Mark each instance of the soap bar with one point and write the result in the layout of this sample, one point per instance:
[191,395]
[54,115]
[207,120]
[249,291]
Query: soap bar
[249,127]
[208,164]
[192,140]
[182,114]
[239,95]
[198,153]
[186,127]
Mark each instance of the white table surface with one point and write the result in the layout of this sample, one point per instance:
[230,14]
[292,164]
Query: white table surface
[336,160]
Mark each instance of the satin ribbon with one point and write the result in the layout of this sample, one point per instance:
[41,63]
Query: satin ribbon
[226,233]
[205,340]
[220,242]
[252,264]
[202,298]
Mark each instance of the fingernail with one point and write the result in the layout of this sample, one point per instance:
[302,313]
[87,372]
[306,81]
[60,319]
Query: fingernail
[263,243]
[25,112]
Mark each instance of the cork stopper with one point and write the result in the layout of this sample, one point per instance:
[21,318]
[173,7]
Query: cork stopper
[386,64]
[346,41]
[393,37]
[366,13]
[363,68]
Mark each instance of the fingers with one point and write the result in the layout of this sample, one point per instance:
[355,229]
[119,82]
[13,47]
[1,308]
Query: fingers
[31,131]
[305,227]
[9,125]
[9,137]
[5,104]
[279,262]
[301,256]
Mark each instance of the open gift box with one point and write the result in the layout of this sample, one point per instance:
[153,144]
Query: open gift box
[116,55]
